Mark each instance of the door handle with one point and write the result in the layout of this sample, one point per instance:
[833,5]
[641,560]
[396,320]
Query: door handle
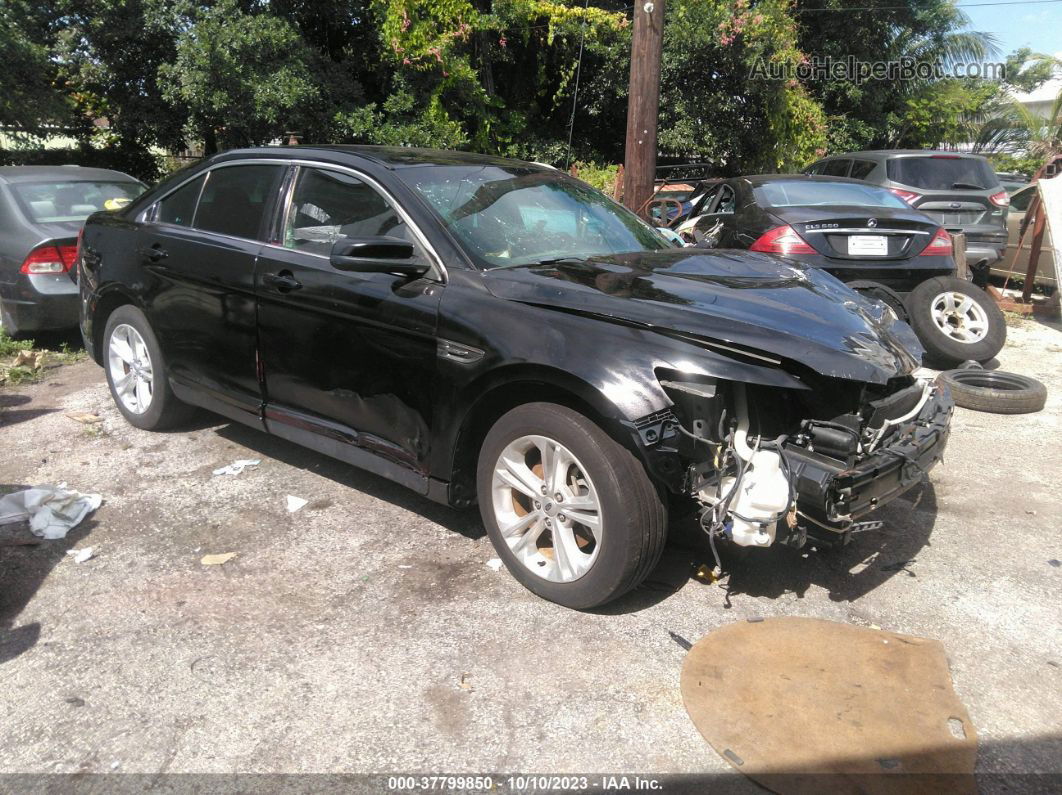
[155,253]
[284,281]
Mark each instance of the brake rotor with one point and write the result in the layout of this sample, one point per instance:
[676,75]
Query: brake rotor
[789,701]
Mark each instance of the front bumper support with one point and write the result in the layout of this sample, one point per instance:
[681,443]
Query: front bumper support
[833,496]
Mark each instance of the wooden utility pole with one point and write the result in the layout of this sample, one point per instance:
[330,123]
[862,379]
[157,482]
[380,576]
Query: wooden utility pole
[643,104]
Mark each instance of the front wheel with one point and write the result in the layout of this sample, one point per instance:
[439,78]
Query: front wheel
[956,321]
[571,512]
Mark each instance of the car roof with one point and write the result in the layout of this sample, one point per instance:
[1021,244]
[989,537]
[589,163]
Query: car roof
[392,157]
[884,154]
[760,179]
[66,173]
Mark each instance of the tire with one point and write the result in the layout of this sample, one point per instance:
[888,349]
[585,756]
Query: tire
[7,323]
[632,517]
[995,391]
[929,314]
[162,410]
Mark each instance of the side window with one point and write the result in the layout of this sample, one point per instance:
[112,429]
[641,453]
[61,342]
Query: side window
[709,200]
[836,168]
[329,205]
[1020,200]
[235,200]
[861,168]
[814,168]
[179,207]
[726,200]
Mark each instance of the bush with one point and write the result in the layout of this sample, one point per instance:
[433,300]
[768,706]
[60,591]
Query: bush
[601,177]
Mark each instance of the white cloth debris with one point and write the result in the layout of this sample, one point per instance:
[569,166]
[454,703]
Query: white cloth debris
[237,466]
[294,503]
[52,510]
[81,555]
[494,564]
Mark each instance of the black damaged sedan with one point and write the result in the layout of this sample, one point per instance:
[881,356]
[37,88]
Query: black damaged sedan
[488,330]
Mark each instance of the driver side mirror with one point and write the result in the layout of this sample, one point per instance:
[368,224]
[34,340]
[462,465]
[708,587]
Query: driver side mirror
[376,255]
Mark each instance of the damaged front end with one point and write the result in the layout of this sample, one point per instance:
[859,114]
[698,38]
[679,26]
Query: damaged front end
[771,465]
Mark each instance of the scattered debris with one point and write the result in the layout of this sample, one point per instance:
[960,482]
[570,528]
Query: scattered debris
[681,641]
[84,417]
[82,555]
[217,559]
[404,566]
[30,359]
[52,510]
[466,682]
[1054,562]
[294,503]
[706,574]
[237,466]
[494,564]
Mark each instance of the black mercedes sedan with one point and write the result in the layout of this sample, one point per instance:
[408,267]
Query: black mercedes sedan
[493,331]
[863,234]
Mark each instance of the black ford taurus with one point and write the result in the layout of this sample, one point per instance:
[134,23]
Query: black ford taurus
[488,330]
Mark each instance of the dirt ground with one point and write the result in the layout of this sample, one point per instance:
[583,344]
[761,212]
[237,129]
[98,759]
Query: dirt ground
[366,633]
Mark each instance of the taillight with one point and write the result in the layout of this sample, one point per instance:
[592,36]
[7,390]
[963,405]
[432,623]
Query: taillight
[49,259]
[939,246]
[781,240]
[908,196]
[1001,199]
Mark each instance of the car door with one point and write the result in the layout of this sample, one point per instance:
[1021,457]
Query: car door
[348,358]
[713,226]
[200,246]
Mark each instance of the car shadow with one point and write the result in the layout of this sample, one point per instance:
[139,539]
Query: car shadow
[25,563]
[846,573]
[465,522]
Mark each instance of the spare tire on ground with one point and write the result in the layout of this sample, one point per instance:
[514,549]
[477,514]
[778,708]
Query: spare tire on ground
[956,321]
[994,390]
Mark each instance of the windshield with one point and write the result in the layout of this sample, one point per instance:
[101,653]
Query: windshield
[797,193]
[516,215]
[942,172]
[51,202]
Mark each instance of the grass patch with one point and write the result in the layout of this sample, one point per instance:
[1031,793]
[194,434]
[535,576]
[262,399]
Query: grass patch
[22,361]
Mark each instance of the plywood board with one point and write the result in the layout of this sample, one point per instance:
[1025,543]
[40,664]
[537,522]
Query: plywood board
[799,703]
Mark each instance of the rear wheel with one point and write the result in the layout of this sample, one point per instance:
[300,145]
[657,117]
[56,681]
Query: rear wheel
[136,372]
[956,321]
[571,512]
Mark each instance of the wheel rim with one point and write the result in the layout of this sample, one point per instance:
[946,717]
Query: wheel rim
[130,366]
[959,317]
[547,508]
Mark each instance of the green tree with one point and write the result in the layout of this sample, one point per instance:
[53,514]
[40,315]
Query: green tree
[28,95]
[242,77]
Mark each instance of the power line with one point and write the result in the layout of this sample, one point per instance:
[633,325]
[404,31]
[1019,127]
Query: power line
[904,8]
[575,96]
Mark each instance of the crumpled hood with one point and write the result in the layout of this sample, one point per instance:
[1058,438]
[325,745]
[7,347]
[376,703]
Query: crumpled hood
[750,300]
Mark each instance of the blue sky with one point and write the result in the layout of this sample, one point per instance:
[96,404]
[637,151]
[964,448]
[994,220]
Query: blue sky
[1025,25]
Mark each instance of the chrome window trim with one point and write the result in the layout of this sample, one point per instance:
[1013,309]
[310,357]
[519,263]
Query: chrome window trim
[436,260]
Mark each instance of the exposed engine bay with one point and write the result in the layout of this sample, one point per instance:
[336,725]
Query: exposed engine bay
[770,465]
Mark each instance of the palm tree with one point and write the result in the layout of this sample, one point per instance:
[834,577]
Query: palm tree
[1016,127]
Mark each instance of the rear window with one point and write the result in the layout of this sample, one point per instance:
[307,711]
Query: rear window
[52,202]
[942,172]
[795,193]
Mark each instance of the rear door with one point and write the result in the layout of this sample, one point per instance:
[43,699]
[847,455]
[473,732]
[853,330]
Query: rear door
[201,243]
[348,358]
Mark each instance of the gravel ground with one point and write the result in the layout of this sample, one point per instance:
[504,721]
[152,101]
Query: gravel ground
[366,633]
